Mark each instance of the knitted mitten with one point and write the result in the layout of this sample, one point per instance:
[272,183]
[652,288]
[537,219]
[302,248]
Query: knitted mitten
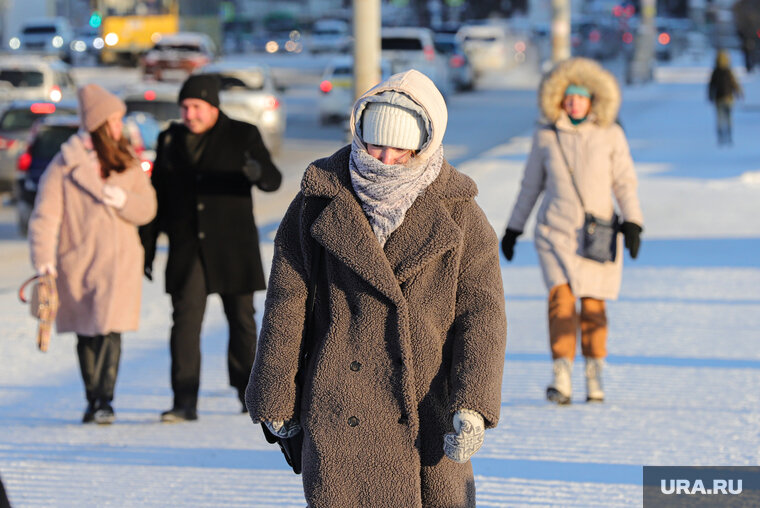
[468,437]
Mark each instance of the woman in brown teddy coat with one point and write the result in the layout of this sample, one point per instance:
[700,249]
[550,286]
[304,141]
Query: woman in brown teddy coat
[409,327]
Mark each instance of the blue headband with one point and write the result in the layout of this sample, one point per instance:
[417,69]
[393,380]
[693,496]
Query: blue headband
[578,90]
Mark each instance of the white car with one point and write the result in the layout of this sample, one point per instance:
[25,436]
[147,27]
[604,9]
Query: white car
[30,77]
[412,48]
[50,36]
[488,47]
[330,36]
[249,94]
[337,89]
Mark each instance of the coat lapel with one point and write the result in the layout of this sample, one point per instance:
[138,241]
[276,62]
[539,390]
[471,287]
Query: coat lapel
[345,232]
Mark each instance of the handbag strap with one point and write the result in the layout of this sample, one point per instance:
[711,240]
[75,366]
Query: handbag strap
[23,287]
[569,168]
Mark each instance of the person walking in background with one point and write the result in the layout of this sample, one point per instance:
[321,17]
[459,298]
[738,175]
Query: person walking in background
[722,91]
[406,350]
[83,231]
[578,160]
[203,174]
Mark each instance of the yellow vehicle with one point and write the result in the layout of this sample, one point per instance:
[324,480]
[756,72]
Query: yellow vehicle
[129,29]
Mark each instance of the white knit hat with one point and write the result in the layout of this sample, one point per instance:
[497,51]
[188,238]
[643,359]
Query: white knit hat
[391,125]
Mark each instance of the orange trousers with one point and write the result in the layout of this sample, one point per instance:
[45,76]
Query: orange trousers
[563,325]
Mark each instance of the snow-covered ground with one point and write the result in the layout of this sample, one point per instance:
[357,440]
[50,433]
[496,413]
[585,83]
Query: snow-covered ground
[681,382]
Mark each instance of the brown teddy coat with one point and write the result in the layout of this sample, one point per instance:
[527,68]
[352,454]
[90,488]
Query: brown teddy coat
[404,336]
[599,155]
[95,248]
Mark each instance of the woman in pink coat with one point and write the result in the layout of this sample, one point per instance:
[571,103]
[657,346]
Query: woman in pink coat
[83,230]
[579,160]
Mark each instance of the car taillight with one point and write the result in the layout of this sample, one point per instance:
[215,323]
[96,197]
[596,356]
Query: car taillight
[664,38]
[146,166]
[55,94]
[6,144]
[594,36]
[42,108]
[149,95]
[271,103]
[627,37]
[24,161]
[456,61]
[429,53]
[326,86]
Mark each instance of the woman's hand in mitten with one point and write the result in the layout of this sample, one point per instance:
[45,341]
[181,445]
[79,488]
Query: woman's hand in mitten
[114,196]
[47,268]
[470,432]
[284,429]
[632,233]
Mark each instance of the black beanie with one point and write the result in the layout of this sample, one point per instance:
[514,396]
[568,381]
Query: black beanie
[201,86]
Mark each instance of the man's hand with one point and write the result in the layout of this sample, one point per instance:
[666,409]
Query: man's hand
[284,429]
[508,243]
[252,168]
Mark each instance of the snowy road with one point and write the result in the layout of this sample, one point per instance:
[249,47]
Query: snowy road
[682,381]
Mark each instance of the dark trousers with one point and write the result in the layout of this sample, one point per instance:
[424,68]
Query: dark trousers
[99,362]
[189,306]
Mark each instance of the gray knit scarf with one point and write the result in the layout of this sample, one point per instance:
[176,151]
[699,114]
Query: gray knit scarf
[386,192]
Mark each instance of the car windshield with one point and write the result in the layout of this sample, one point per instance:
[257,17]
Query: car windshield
[23,118]
[49,140]
[21,78]
[42,29]
[176,47]
[480,38]
[162,111]
[445,46]
[403,43]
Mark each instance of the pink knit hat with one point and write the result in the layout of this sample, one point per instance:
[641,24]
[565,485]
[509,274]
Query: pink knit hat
[96,104]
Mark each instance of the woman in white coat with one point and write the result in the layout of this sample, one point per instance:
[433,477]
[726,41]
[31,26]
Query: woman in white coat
[579,160]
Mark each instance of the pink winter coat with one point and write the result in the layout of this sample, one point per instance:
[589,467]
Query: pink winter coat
[94,247]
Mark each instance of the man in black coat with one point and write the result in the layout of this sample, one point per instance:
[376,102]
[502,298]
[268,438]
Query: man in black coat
[203,174]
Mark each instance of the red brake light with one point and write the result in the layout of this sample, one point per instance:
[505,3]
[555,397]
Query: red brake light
[6,144]
[429,53]
[272,103]
[325,86]
[24,161]
[664,38]
[594,36]
[456,61]
[149,95]
[146,166]
[42,108]
[628,37]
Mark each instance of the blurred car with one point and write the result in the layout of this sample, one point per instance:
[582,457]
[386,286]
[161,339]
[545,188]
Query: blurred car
[176,56]
[330,36]
[46,138]
[157,99]
[487,47]
[16,121]
[35,78]
[412,48]
[248,94]
[597,40]
[337,87]
[460,68]
[45,141]
[50,36]
[86,44]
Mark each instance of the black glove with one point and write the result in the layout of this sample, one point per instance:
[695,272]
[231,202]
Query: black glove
[632,233]
[508,243]
[148,271]
[252,168]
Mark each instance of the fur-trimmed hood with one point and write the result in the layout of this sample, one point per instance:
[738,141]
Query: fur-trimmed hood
[605,92]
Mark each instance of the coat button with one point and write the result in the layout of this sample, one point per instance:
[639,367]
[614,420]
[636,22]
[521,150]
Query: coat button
[403,420]
[355,366]
[353,421]
[201,235]
[201,206]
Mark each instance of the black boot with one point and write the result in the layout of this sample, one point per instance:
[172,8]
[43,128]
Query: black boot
[89,413]
[179,414]
[104,414]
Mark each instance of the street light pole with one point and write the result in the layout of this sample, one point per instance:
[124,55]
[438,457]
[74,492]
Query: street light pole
[560,30]
[366,45]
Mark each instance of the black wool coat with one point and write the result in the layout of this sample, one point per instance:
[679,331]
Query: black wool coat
[206,208]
